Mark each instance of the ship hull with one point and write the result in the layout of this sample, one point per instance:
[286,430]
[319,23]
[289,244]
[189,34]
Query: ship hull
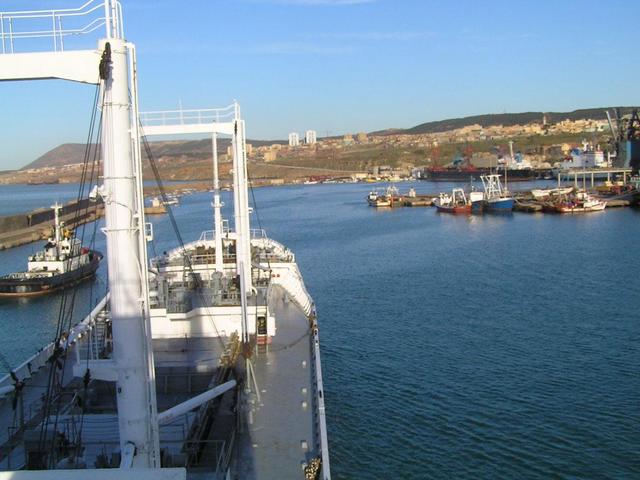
[569,209]
[465,175]
[499,205]
[465,209]
[33,287]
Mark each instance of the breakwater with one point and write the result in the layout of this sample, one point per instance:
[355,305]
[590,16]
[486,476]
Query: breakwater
[37,225]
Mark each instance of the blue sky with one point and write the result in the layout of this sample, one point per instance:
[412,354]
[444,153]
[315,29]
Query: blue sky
[341,66]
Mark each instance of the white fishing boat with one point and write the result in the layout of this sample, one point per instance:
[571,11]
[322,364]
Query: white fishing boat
[205,364]
[581,202]
[541,193]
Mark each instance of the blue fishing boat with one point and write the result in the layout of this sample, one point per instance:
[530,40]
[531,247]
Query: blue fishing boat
[496,198]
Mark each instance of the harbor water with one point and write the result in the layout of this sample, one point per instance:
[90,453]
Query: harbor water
[494,346]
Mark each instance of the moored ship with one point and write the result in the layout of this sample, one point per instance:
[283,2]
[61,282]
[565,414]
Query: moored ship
[62,262]
[580,202]
[496,197]
[457,202]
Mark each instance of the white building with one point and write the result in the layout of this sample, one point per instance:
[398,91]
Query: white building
[310,137]
[294,139]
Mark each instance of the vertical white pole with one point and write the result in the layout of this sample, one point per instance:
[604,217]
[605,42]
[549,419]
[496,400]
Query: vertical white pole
[128,305]
[245,201]
[107,17]
[56,223]
[240,205]
[142,248]
[217,205]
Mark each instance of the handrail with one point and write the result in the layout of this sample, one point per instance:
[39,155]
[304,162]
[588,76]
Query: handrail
[106,13]
[189,116]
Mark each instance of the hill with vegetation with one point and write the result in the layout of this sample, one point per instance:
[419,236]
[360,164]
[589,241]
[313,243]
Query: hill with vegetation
[505,119]
[73,153]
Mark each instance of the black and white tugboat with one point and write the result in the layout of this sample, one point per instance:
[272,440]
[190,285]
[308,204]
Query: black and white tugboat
[63,262]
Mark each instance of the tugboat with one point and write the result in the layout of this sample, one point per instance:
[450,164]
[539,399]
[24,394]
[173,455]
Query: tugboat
[63,262]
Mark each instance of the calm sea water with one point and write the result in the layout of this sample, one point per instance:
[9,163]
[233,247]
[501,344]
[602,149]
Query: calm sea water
[453,347]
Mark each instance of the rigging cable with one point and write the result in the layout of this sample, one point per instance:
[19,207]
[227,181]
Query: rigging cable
[67,305]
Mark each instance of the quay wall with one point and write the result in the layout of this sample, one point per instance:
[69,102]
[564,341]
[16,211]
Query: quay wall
[37,225]
[13,222]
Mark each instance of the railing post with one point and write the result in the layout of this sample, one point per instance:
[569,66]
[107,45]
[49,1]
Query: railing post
[61,35]
[55,39]
[2,32]
[11,33]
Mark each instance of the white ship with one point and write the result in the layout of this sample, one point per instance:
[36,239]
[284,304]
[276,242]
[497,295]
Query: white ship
[203,364]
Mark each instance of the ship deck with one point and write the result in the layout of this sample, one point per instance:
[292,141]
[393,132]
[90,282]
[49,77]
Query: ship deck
[281,438]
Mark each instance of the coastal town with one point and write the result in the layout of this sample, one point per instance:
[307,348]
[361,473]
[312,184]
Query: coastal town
[543,143]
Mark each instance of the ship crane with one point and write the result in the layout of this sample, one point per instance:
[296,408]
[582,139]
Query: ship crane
[625,132]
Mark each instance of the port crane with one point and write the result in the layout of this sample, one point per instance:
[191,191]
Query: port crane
[625,131]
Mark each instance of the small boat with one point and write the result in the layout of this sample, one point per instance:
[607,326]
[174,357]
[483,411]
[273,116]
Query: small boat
[496,198]
[390,198]
[540,193]
[455,203]
[63,262]
[579,203]
[477,200]
[158,202]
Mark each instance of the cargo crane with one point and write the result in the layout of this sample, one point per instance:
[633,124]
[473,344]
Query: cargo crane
[625,131]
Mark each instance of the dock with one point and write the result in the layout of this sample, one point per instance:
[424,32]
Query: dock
[525,201]
[527,207]
[20,229]
[419,201]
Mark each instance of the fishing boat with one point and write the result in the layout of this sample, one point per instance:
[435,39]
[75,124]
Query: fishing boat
[390,198]
[455,203]
[377,199]
[204,362]
[541,193]
[579,203]
[496,198]
[62,262]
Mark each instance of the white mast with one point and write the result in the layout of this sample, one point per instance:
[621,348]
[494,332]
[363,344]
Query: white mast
[124,229]
[132,366]
[124,225]
[241,202]
[512,161]
[217,205]
[56,222]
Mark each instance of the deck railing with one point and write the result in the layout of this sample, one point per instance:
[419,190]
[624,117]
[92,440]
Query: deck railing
[189,117]
[30,27]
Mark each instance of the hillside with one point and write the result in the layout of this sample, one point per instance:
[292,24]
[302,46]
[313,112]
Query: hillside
[73,153]
[506,119]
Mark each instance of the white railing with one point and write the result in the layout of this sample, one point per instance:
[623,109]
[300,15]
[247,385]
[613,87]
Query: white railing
[210,235]
[28,27]
[189,117]
[288,277]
